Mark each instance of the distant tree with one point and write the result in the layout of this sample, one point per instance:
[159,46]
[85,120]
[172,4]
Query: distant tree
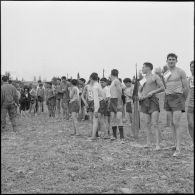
[34,79]
[22,79]
[16,78]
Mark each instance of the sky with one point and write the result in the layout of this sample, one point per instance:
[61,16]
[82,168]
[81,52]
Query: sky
[58,38]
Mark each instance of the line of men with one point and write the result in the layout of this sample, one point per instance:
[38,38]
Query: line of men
[105,104]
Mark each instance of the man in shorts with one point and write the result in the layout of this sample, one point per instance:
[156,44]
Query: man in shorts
[99,106]
[128,92]
[106,95]
[82,105]
[59,96]
[190,113]
[116,106]
[150,85]
[176,93]
[65,98]
[74,104]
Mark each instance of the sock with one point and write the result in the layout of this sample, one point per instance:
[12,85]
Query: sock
[121,132]
[114,128]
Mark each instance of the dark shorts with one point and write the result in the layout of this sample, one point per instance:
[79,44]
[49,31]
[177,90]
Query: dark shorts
[90,106]
[40,99]
[74,106]
[150,105]
[191,109]
[128,107]
[115,105]
[174,102]
[107,113]
[102,108]
[59,96]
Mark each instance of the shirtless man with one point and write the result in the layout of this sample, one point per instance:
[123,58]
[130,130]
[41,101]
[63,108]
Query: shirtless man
[176,93]
[190,113]
[150,85]
[116,106]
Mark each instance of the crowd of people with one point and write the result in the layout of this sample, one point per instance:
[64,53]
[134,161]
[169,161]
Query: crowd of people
[105,102]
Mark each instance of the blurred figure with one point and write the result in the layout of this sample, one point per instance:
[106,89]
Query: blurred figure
[40,98]
[190,113]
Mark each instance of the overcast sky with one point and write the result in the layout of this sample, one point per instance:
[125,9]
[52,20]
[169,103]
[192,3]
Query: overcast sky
[55,38]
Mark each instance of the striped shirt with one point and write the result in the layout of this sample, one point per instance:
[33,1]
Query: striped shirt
[174,82]
[191,94]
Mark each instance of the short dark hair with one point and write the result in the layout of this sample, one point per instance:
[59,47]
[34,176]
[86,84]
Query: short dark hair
[120,80]
[172,55]
[5,78]
[10,81]
[49,83]
[39,81]
[127,80]
[69,80]
[149,65]
[63,78]
[74,82]
[83,80]
[114,72]
[59,79]
[103,79]
[192,62]
[94,76]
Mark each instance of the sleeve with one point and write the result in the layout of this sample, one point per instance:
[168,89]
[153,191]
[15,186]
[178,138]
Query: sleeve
[96,99]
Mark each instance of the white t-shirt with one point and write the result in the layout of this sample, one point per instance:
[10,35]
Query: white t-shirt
[106,92]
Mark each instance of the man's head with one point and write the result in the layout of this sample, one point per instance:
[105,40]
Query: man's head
[41,85]
[5,78]
[39,81]
[49,84]
[68,81]
[74,82]
[63,78]
[171,60]
[192,67]
[103,82]
[127,82]
[58,80]
[114,74]
[147,67]
[94,77]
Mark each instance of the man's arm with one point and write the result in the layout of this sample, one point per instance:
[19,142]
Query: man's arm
[96,99]
[83,95]
[184,84]
[160,88]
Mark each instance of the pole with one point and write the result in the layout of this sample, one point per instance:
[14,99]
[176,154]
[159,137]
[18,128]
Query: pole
[136,114]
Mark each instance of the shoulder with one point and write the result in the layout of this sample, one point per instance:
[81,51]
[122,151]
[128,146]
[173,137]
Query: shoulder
[180,71]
